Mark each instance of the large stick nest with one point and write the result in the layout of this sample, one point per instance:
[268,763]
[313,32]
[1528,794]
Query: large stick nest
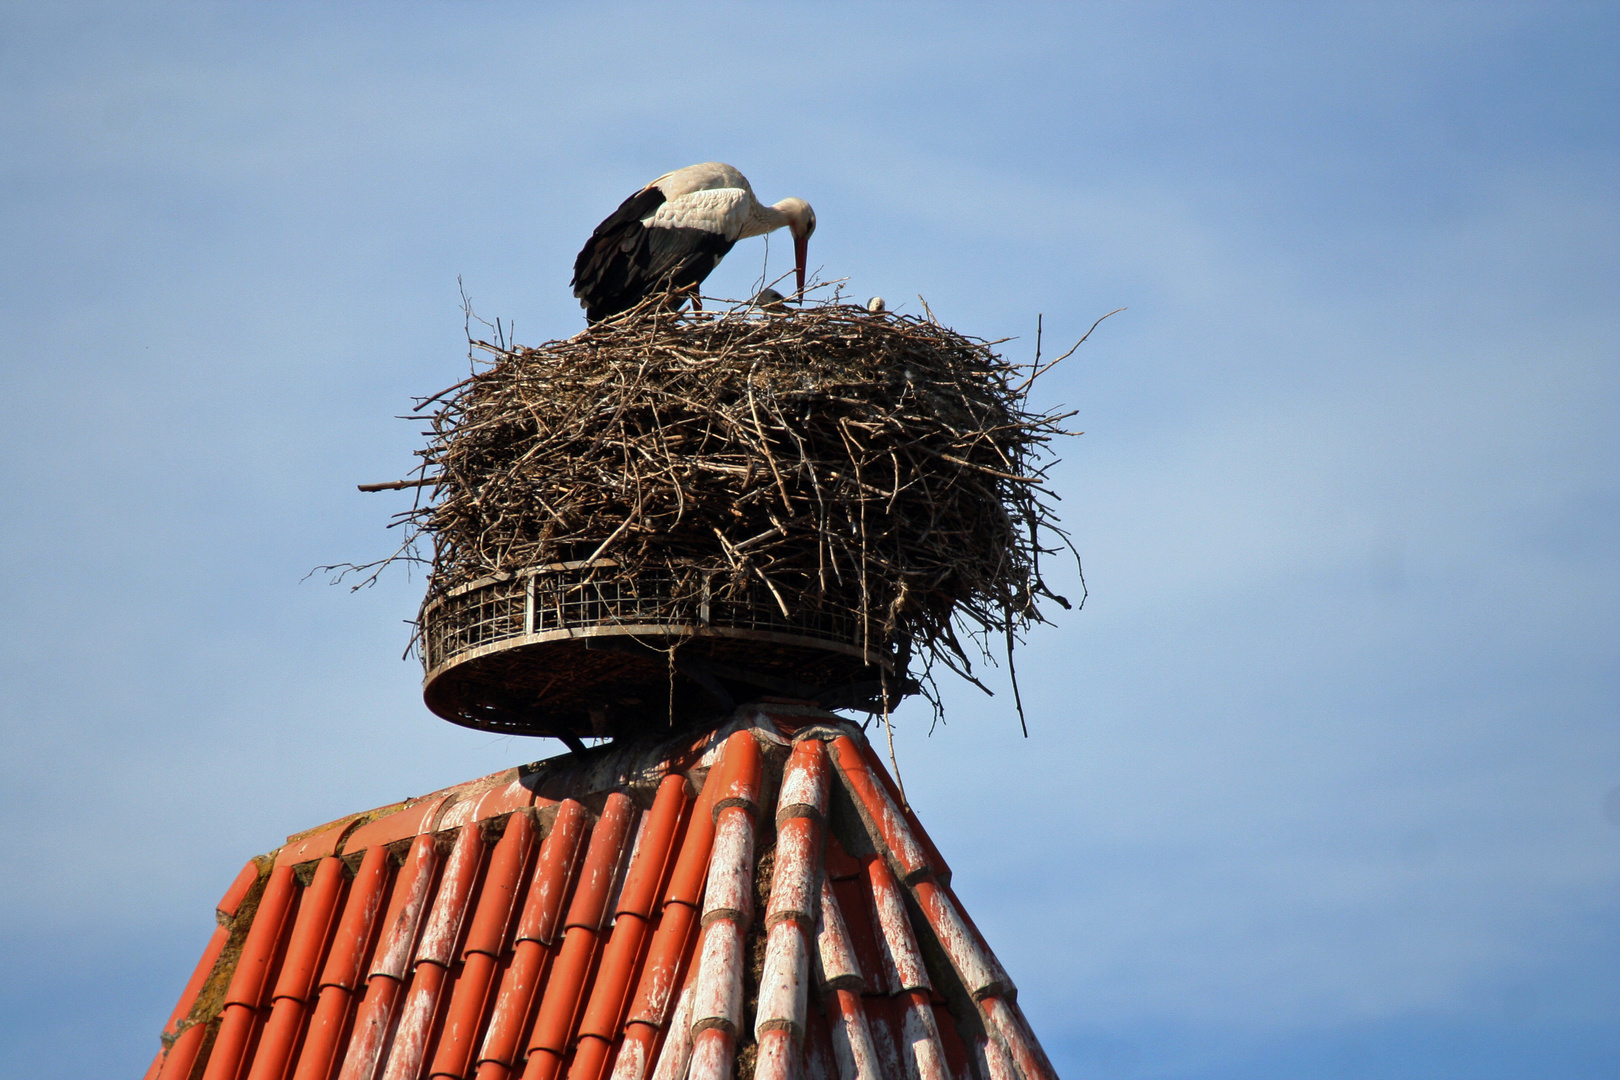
[871,464]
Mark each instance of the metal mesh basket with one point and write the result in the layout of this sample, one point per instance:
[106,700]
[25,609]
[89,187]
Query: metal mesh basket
[585,649]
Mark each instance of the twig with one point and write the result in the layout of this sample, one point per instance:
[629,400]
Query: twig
[1039,371]
[894,762]
[954,460]
[396,485]
[593,556]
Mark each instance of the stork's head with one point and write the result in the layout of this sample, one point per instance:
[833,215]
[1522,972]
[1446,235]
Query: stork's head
[801,221]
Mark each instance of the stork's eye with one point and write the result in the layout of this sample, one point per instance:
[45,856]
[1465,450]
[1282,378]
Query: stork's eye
[810,225]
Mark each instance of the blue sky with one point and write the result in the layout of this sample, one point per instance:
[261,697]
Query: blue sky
[1324,780]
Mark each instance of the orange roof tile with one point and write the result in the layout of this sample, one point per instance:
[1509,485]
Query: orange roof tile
[753,898]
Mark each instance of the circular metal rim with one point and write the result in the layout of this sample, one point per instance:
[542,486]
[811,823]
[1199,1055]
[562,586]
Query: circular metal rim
[682,631]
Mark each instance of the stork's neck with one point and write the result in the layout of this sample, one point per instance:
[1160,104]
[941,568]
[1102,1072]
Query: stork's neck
[763,219]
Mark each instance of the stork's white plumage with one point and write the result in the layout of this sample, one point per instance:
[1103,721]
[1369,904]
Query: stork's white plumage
[669,235]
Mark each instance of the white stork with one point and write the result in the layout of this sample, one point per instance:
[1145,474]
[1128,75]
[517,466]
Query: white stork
[673,232]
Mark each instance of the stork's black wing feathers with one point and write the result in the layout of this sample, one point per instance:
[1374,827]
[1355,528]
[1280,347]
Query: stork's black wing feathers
[624,223]
[624,260]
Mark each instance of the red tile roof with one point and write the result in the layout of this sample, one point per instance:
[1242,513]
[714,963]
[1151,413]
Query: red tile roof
[755,901]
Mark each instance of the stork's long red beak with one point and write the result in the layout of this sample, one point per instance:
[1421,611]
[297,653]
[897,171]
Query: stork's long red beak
[801,249]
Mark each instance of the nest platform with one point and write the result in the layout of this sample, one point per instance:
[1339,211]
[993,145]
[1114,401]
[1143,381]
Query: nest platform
[675,512]
[606,652]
